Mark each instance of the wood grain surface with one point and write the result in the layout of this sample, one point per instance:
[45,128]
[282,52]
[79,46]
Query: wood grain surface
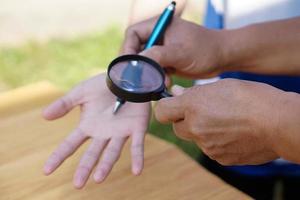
[27,140]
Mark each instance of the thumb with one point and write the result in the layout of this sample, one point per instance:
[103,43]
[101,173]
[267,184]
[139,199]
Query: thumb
[166,56]
[177,90]
[63,105]
[169,109]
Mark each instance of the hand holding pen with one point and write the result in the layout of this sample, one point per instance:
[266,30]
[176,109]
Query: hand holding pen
[158,31]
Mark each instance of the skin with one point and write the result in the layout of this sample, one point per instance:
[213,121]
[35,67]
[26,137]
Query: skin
[107,132]
[180,50]
[265,48]
[96,102]
[232,121]
[194,51]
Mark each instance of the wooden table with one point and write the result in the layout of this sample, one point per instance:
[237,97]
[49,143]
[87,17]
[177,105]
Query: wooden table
[27,140]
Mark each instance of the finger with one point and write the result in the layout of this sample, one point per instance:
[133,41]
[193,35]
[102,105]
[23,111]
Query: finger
[64,150]
[180,129]
[110,155]
[168,81]
[177,90]
[64,104]
[87,162]
[170,109]
[137,35]
[137,153]
[166,56]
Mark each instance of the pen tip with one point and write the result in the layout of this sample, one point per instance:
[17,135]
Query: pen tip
[174,3]
[118,105]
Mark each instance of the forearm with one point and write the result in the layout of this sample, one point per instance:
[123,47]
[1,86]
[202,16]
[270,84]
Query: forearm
[286,141]
[267,48]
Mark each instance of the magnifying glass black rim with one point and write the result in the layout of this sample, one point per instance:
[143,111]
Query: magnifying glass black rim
[131,95]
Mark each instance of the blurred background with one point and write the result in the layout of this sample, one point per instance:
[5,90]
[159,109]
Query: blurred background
[67,41]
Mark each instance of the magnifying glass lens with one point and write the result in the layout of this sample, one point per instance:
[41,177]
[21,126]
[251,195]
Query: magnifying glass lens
[136,76]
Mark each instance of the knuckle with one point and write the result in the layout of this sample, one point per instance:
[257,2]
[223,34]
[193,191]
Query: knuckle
[137,148]
[159,113]
[112,151]
[92,154]
[129,30]
[67,146]
[55,157]
[193,127]
[210,146]
[66,102]
[177,131]
[105,166]
[83,167]
[203,137]
[182,135]
[137,154]
[98,142]
[181,132]
[211,156]
[214,153]
[156,54]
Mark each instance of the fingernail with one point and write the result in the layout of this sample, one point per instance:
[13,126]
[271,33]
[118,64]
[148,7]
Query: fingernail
[78,182]
[99,177]
[136,170]
[46,113]
[177,90]
[47,170]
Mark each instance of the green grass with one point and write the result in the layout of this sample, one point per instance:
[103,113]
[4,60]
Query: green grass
[63,62]
[67,62]
[166,132]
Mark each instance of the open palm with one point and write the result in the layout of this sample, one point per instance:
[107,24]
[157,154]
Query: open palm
[108,132]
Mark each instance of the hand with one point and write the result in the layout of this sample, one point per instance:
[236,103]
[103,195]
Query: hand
[233,122]
[108,132]
[193,51]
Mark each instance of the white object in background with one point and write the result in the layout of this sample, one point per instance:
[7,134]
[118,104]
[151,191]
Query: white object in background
[206,81]
[242,13]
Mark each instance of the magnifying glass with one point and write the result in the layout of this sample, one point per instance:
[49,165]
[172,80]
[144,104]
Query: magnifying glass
[136,78]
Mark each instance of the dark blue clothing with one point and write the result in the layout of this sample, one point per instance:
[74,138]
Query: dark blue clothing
[286,83]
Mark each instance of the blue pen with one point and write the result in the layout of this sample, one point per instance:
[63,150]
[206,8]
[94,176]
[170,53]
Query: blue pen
[157,33]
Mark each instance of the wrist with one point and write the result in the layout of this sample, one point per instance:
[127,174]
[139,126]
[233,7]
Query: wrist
[285,142]
[227,49]
[219,49]
[230,50]
[239,50]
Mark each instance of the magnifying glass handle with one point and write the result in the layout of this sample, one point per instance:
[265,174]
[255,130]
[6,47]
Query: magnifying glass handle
[165,94]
